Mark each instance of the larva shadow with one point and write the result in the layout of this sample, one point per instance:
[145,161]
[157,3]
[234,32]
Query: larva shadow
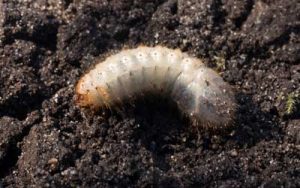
[152,122]
[162,129]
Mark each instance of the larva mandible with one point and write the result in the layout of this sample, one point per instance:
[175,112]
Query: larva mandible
[198,91]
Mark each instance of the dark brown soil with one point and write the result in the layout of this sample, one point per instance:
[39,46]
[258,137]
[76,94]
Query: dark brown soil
[46,141]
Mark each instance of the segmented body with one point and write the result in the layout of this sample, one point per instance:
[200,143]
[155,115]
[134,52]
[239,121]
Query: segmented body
[198,91]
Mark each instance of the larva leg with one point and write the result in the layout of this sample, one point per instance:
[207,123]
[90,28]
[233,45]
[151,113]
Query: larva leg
[149,86]
[185,99]
[163,78]
[118,91]
[128,85]
[136,84]
[171,78]
[104,100]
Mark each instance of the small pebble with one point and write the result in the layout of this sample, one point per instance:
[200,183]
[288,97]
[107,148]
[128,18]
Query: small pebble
[233,153]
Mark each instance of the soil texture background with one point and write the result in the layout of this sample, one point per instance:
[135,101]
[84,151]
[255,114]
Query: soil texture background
[47,141]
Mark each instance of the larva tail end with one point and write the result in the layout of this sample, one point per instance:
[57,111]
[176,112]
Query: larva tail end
[211,126]
[225,120]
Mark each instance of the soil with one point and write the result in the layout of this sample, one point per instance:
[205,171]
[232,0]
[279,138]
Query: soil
[47,141]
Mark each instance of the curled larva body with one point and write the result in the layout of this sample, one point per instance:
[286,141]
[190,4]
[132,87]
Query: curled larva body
[198,91]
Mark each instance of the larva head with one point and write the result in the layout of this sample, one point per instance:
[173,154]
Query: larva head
[86,95]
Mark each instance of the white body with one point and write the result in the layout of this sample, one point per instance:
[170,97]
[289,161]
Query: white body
[198,91]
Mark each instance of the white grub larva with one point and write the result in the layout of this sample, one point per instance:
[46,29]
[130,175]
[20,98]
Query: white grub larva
[198,91]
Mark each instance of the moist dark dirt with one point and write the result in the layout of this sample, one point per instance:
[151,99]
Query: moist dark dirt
[47,141]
